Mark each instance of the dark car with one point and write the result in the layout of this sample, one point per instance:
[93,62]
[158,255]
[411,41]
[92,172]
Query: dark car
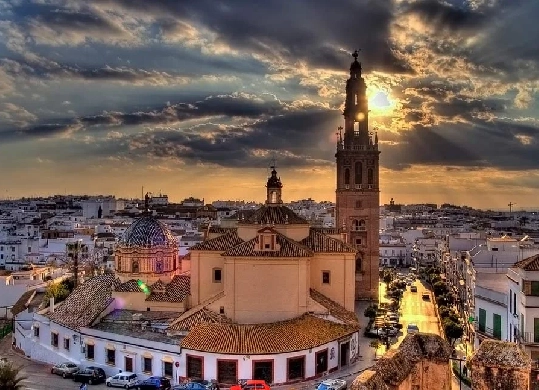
[64,369]
[198,384]
[154,383]
[90,375]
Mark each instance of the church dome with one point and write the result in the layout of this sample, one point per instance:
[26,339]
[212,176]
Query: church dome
[147,232]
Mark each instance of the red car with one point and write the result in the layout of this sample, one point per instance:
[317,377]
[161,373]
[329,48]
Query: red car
[252,384]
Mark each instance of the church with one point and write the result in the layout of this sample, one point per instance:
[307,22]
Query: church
[271,298]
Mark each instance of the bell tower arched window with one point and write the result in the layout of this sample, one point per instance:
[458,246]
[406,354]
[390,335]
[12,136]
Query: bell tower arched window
[358,172]
[359,264]
[355,225]
[370,174]
[347,176]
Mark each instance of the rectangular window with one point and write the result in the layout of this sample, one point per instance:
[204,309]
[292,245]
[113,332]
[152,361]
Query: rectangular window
[167,369]
[36,331]
[195,367]
[482,319]
[147,365]
[217,275]
[325,277]
[66,344]
[358,204]
[510,301]
[536,330]
[89,352]
[514,303]
[497,326]
[110,356]
[535,289]
[54,339]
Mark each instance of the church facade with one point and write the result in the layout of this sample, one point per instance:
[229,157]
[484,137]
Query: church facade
[358,184]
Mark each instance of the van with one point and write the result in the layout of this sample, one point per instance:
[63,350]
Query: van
[124,379]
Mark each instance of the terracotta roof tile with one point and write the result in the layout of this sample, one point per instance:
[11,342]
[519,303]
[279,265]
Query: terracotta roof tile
[272,215]
[319,242]
[176,291]
[528,264]
[158,286]
[253,339]
[287,248]
[129,286]
[335,309]
[220,230]
[202,316]
[221,243]
[22,302]
[85,303]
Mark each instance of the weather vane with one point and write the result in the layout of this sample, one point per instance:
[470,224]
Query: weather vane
[355,54]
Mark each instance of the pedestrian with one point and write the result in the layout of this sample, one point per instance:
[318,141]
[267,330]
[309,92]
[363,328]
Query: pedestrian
[83,386]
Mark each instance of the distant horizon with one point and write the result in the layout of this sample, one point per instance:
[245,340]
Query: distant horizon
[515,207]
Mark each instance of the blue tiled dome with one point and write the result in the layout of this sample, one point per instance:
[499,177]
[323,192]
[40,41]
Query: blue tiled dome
[147,231]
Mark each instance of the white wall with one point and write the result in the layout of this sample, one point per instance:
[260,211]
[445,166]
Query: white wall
[245,362]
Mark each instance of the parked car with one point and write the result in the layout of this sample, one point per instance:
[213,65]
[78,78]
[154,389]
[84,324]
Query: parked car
[64,369]
[189,386]
[426,296]
[412,328]
[91,375]
[392,317]
[154,383]
[124,379]
[251,384]
[209,385]
[332,384]
[413,288]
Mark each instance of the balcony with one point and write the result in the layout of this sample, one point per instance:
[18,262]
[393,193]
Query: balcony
[486,332]
[527,338]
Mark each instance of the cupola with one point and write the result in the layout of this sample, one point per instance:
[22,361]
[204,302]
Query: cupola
[274,189]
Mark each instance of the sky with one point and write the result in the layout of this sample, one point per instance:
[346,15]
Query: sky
[195,98]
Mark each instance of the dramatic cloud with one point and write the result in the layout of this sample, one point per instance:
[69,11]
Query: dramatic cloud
[168,85]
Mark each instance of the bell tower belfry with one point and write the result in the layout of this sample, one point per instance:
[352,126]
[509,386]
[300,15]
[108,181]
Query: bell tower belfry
[358,191]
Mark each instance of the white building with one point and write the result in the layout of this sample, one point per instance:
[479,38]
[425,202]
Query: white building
[491,314]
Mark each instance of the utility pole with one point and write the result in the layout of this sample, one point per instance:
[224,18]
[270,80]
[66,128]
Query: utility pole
[511,204]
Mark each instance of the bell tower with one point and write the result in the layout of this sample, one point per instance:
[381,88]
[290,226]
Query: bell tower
[274,189]
[358,191]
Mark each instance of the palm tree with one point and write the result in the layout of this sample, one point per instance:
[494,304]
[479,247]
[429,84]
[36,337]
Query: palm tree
[10,378]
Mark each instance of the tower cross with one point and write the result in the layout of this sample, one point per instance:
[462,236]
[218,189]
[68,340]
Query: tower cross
[355,54]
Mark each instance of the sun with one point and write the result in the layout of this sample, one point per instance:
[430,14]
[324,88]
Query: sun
[380,102]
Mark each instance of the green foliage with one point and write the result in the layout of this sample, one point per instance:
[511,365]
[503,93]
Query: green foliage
[58,291]
[375,344]
[452,330]
[388,277]
[440,288]
[444,311]
[370,311]
[10,378]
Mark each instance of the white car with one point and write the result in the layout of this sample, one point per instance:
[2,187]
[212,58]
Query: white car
[124,379]
[332,384]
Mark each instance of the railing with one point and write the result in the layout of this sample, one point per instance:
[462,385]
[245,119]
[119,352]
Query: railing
[528,338]
[485,331]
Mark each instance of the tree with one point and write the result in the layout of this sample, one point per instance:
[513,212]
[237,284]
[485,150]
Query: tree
[10,378]
[375,344]
[58,291]
[388,277]
[452,330]
[440,288]
[370,311]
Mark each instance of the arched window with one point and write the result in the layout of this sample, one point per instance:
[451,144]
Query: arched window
[347,176]
[273,197]
[135,266]
[355,225]
[370,174]
[359,264]
[358,172]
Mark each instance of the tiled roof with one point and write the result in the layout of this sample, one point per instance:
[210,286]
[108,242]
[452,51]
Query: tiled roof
[199,317]
[200,306]
[122,315]
[529,264]
[147,231]
[22,302]
[129,286]
[158,286]
[319,242]
[287,248]
[85,303]
[254,339]
[272,215]
[221,243]
[334,308]
[326,230]
[176,291]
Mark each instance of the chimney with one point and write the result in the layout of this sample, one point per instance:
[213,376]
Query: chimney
[51,305]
